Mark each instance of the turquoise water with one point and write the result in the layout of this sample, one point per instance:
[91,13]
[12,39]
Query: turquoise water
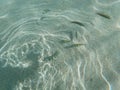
[59,45]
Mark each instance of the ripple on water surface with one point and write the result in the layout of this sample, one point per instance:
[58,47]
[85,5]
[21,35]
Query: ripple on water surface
[59,45]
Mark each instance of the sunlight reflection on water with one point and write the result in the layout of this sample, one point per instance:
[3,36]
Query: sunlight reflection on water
[59,45]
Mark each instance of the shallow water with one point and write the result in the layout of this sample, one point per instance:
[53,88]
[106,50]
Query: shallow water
[59,45]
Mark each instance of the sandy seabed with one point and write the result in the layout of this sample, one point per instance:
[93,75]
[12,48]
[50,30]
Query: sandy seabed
[59,45]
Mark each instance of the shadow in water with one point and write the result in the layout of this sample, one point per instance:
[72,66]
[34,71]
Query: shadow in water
[10,76]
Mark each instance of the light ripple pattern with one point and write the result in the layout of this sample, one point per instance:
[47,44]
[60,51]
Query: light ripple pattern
[59,45]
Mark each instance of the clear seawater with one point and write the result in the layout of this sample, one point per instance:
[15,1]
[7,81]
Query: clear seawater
[59,44]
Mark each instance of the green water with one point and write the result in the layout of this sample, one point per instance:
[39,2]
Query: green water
[59,45]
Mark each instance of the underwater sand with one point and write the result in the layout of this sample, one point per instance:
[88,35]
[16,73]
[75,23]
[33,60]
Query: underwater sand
[59,45]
